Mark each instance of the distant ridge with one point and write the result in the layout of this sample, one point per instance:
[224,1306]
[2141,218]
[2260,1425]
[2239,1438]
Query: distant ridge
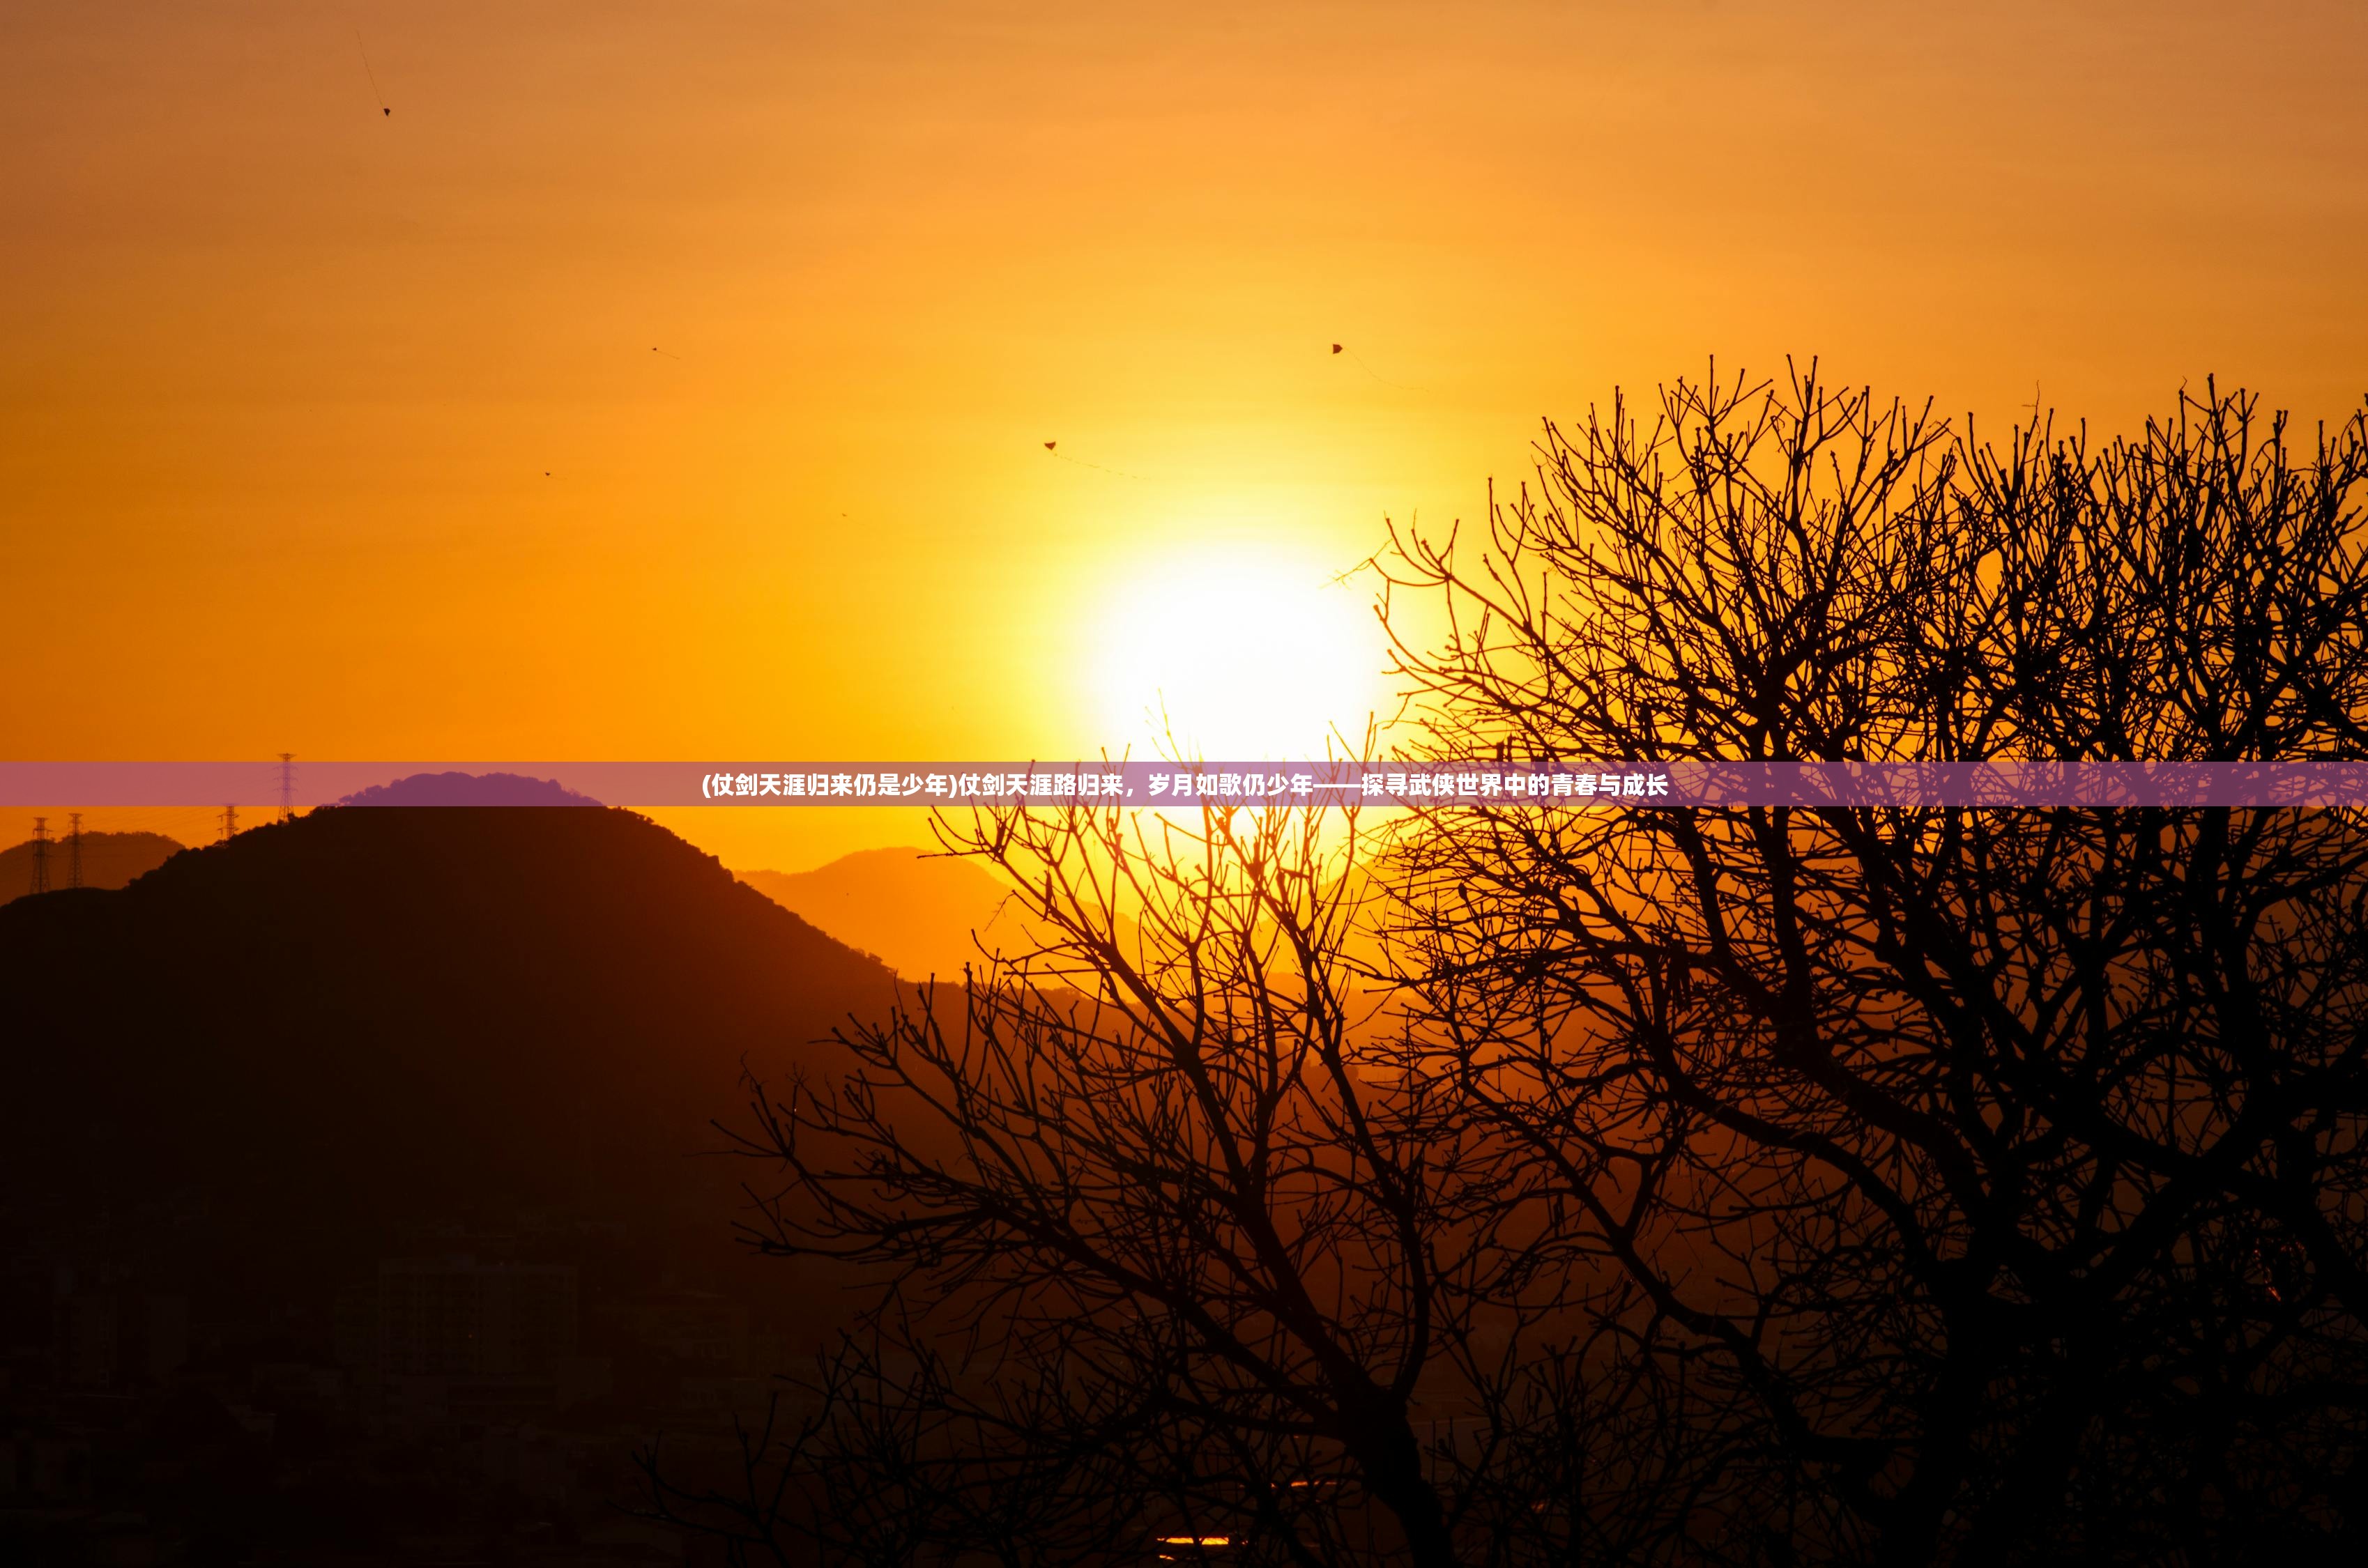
[927,914]
[468,789]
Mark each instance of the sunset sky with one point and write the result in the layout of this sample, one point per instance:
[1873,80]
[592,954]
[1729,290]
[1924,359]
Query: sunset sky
[673,381]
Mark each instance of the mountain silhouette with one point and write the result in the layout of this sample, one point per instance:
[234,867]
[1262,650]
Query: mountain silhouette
[109,860]
[287,1049]
[928,914]
[468,789]
[917,910]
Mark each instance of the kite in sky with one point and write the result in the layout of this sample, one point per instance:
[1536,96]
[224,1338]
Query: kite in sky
[1360,358]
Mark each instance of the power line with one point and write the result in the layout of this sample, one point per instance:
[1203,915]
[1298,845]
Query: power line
[287,786]
[73,849]
[229,822]
[40,854]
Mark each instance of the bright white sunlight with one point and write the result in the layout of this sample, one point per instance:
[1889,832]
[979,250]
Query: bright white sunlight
[1238,653]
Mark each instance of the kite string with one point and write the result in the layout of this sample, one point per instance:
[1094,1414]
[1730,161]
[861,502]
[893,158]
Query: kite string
[1097,467]
[1360,358]
[376,91]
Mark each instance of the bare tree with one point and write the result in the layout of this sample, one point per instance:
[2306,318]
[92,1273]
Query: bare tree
[1984,1186]
[1168,1262]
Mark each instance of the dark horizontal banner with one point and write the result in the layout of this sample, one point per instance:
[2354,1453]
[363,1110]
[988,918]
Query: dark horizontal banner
[1909,786]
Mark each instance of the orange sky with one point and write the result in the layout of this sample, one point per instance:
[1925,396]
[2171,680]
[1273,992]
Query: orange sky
[284,374]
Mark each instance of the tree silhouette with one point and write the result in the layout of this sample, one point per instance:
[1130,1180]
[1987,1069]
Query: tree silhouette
[1980,1185]
[1168,1262]
[1745,1185]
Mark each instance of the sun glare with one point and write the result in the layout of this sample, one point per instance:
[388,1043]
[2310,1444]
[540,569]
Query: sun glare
[1239,654]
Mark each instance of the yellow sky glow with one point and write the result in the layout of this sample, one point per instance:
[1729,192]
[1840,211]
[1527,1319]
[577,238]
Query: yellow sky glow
[673,381]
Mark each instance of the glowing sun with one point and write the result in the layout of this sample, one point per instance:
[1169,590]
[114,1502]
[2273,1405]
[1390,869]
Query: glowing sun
[1241,653]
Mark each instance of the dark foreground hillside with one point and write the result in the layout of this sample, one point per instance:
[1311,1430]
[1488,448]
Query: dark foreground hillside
[367,1014]
[386,1127]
